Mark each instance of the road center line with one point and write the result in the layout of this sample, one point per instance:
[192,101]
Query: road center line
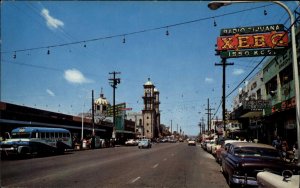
[135,179]
[155,166]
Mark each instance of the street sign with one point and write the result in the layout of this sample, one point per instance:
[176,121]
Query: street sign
[125,109]
[252,29]
[118,110]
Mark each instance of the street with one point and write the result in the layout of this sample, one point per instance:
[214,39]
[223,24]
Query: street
[163,165]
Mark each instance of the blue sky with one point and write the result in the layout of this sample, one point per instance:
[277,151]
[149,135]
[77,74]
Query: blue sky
[181,65]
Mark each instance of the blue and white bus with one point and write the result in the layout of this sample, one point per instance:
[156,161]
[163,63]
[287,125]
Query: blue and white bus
[34,140]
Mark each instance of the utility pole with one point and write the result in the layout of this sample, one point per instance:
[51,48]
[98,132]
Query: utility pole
[171,128]
[224,64]
[93,110]
[203,125]
[208,115]
[114,82]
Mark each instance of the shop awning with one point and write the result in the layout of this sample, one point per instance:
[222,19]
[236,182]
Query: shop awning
[252,114]
[126,132]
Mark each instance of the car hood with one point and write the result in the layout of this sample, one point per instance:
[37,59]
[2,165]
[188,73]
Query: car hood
[15,142]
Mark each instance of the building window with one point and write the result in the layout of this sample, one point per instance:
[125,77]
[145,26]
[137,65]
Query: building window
[258,94]
[271,86]
[286,75]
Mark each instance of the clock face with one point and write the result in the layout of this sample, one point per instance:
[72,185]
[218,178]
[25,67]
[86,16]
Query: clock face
[148,90]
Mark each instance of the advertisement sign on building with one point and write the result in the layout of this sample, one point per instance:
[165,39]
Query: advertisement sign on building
[268,40]
[253,41]
[256,105]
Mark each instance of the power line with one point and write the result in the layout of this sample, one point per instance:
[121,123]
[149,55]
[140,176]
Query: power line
[123,35]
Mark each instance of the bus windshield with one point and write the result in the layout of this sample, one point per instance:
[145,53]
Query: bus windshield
[20,135]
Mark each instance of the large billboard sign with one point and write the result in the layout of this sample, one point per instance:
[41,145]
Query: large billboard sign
[253,41]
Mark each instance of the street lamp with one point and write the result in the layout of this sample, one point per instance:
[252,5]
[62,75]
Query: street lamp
[214,5]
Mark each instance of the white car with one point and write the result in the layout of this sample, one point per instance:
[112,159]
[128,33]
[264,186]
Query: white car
[144,143]
[209,146]
[131,142]
[192,143]
[270,180]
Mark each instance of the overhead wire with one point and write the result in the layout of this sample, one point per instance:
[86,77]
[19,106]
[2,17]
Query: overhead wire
[134,32]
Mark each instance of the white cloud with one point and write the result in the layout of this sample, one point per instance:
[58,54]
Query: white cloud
[209,80]
[238,71]
[52,22]
[76,77]
[51,93]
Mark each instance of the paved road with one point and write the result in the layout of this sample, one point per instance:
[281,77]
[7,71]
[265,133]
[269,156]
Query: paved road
[164,165]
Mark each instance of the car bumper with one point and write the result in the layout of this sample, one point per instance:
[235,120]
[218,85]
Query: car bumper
[244,180]
[9,151]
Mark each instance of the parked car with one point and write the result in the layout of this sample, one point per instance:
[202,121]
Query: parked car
[144,143]
[224,145]
[272,180]
[205,144]
[192,143]
[209,146]
[131,142]
[216,146]
[244,160]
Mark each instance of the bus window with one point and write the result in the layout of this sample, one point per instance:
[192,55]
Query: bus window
[20,135]
[43,135]
[51,135]
[47,135]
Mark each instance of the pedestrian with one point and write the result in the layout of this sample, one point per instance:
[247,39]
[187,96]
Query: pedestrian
[276,143]
[295,151]
[284,149]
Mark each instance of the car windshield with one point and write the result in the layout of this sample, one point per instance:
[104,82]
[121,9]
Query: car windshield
[254,151]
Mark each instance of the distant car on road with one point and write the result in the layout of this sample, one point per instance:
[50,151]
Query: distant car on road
[244,160]
[192,143]
[131,142]
[144,143]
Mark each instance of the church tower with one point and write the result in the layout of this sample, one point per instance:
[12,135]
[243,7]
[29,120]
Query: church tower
[149,113]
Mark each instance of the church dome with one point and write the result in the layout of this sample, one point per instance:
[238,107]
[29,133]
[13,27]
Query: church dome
[101,101]
[148,83]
